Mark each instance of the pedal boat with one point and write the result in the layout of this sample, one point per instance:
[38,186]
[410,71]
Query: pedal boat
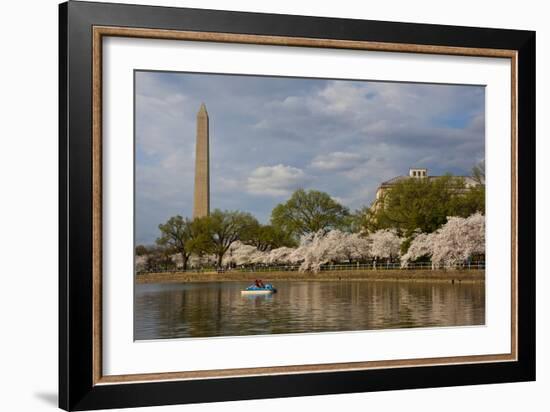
[268,289]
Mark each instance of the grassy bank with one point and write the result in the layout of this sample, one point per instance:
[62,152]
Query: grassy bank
[388,275]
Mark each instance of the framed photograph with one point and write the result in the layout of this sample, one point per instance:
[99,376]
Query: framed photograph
[256,205]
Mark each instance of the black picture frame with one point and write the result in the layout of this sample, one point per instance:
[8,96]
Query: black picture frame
[77,390]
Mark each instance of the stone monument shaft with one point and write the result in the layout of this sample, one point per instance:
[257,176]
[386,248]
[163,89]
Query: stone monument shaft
[201,204]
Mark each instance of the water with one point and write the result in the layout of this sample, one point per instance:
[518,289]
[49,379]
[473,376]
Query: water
[218,309]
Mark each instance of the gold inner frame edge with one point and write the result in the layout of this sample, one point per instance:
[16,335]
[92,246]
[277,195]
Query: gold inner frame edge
[101,31]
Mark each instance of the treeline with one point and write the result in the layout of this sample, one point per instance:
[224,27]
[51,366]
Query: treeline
[458,242]
[305,212]
[410,208]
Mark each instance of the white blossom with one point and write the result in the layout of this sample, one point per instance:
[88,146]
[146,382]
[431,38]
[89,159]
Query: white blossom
[141,263]
[458,240]
[455,242]
[422,245]
[280,256]
[334,246]
[385,243]
[317,251]
[241,254]
[355,246]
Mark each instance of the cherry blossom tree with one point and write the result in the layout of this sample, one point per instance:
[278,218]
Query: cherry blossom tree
[281,256]
[455,242]
[241,254]
[354,247]
[458,240]
[422,245]
[141,261]
[333,246]
[385,244]
[316,251]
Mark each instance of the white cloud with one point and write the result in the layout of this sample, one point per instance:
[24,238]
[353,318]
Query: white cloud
[338,161]
[343,97]
[341,137]
[278,180]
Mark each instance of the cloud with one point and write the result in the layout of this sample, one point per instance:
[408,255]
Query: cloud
[356,199]
[279,180]
[338,161]
[271,135]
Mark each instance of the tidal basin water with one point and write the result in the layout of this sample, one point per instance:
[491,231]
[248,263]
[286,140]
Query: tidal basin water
[218,309]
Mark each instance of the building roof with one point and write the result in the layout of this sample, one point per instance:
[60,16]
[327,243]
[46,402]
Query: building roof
[468,180]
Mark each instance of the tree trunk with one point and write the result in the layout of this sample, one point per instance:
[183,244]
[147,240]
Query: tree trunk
[184,259]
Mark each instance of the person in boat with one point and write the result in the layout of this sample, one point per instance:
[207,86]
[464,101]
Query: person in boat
[259,283]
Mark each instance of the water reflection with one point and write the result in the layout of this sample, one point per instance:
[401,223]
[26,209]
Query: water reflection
[219,309]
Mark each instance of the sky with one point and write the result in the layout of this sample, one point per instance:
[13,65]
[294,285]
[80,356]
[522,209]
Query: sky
[272,135]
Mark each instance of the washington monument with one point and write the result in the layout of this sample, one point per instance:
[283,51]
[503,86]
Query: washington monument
[201,204]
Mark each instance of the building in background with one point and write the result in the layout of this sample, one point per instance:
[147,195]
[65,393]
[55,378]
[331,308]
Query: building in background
[417,173]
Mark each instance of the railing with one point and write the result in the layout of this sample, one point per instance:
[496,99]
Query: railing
[261,268]
[175,270]
[397,266]
[338,267]
[366,266]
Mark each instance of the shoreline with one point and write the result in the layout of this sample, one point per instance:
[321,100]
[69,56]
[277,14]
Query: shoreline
[394,275]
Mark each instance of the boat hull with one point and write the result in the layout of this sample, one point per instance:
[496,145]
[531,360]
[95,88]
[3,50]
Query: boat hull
[257,292]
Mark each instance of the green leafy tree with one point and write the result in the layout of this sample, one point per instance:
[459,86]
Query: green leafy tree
[423,204]
[217,232]
[471,201]
[308,212]
[177,234]
[364,220]
[268,237]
